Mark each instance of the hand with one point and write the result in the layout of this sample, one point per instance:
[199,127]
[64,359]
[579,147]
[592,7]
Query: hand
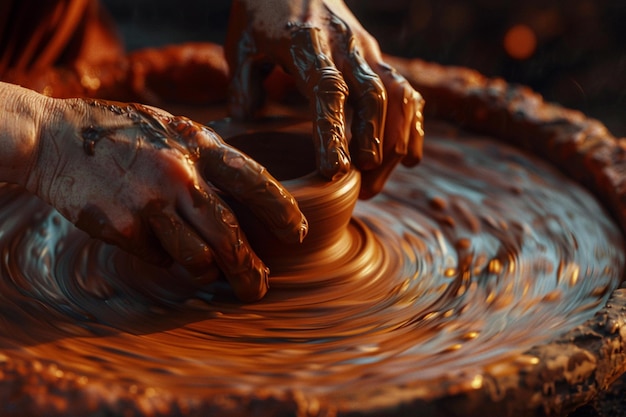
[144,180]
[331,56]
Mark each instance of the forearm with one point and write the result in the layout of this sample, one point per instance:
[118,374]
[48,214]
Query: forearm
[21,115]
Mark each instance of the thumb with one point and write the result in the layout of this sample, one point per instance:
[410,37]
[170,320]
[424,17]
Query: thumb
[248,70]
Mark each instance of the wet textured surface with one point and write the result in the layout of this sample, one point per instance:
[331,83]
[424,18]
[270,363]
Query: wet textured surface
[468,261]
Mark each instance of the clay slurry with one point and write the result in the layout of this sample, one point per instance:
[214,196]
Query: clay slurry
[473,258]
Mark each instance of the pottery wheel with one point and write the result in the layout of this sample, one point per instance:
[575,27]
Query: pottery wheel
[454,272]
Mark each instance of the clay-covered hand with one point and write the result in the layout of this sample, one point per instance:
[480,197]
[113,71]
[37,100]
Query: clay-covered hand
[332,58]
[149,182]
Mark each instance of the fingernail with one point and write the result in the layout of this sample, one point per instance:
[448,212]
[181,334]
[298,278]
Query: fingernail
[367,135]
[266,281]
[249,290]
[369,155]
[304,229]
[291,227]
[337,163]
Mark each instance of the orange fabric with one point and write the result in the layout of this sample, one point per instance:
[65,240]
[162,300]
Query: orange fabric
[37,34]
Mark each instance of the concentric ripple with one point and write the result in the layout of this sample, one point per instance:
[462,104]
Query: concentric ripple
[474,257]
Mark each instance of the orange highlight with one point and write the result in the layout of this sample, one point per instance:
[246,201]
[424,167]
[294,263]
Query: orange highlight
[520,42]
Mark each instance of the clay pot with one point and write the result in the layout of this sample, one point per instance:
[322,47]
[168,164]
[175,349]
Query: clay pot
[284,146]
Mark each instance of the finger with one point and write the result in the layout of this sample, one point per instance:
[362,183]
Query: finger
[370,105]
[240,176]
[319,79]
[247,68]
[95,222]
[182,243]
[401,112]
[216,224]
[415,150]
[367,96]
[251,184]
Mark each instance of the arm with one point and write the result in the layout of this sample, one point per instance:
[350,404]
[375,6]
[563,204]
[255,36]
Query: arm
[335,63]
[146,181]
[19,130]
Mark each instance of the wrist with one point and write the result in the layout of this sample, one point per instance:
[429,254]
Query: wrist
[54,148]
[23,114]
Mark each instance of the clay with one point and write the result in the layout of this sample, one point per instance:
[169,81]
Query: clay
[191,73]
[482,283]
[453,274]
[288,153]
[91,135]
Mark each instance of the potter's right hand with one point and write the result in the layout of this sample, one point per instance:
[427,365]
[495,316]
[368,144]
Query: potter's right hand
[332,58]
[146,181]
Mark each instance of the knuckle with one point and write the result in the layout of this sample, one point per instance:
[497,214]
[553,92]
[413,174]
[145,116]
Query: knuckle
[377,87]
[330,80]
[418,101]
[396,147]
[368,44]
[407,91]
[374,91]
[400,148]
[398,85]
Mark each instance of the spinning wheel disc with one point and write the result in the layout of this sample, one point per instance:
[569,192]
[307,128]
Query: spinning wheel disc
[442,287]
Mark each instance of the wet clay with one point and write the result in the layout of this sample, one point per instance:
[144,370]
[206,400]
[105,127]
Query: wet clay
[457,269]
[287,150]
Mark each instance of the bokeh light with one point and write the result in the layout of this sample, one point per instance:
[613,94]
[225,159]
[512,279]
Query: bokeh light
[520,42]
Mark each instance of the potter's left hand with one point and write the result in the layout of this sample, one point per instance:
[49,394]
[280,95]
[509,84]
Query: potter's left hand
[151,183]
[331,56]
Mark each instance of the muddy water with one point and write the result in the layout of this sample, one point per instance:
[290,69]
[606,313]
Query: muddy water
[473,258]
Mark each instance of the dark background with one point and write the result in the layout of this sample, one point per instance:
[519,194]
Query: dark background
[579,60]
